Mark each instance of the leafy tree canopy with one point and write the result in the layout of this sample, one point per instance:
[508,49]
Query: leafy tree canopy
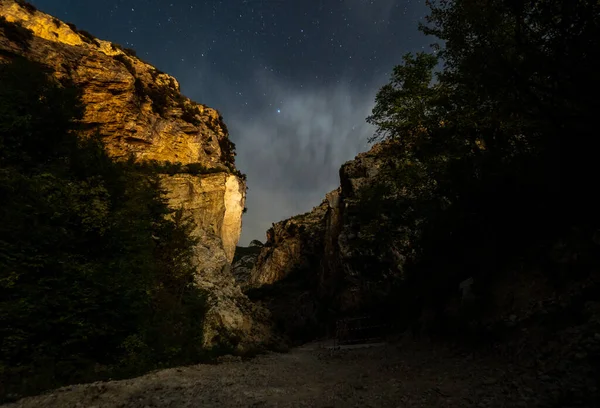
[493,156]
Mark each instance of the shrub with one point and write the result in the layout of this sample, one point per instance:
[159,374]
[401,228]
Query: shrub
[189,113]
[84,35]
[154,73]
[170,168]
[130,51]
[241,175]
[125,61]
[199,168]
[29,7]
[159,95]
[87,37]
[140,90]
[16,33]
[227,149]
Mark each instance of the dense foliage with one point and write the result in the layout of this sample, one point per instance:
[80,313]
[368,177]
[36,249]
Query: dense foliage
[16,33]
[492,158]
[96,272]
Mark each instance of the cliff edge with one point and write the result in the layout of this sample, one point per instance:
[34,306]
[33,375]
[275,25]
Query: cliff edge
[140,113]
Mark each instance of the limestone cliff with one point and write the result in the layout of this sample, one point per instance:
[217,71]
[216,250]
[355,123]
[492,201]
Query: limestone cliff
[315,267]
[288,246]
[140,112]
[135,107]
[331,231]
[339,266]
[243,262]
[215,202]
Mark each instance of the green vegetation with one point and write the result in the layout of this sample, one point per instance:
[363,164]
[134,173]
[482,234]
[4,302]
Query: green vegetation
[190,113]
[252,250]
[16,33]
[491,161]
[128,51]
[84,35]
[308,318]
[227,148]
[160,96]
[87,37]
[125,61]
[139,88]
[156,167]
[235,171]
[96,272]
[27,6]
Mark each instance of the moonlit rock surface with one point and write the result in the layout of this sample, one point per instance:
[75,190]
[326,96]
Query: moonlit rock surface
[119,92]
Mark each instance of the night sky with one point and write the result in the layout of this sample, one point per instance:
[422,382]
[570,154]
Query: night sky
[294,80]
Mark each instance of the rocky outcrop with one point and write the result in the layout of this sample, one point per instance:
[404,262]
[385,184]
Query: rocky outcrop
[215,202]
[285,278]
[140,112]
[289,245]
[331,231]
[243,262]
[136,108]
[319,263]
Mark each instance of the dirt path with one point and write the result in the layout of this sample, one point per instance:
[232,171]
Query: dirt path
[384,376]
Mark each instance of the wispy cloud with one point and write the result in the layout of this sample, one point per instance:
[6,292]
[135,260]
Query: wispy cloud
[292,158]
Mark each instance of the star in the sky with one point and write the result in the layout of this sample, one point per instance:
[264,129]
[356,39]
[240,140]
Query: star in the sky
[240,55]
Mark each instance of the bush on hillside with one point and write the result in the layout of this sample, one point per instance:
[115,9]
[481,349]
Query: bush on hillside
[96,272]
[16,33]
[27,6]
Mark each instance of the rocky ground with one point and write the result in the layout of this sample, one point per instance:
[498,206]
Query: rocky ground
[403,374]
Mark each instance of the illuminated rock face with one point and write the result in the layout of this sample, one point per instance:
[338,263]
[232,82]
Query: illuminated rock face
[139,111]
[215,202]
[136,108]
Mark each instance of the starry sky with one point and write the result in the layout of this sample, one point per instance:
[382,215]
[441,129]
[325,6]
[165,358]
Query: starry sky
[293,79]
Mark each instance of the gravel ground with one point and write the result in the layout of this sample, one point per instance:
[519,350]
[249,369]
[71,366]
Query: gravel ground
[406,374]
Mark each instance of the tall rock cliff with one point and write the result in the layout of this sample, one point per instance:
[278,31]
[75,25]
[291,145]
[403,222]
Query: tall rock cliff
[243,262]
[341,260]
[140,112]
[288,246]
[319,261]
[332,232]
